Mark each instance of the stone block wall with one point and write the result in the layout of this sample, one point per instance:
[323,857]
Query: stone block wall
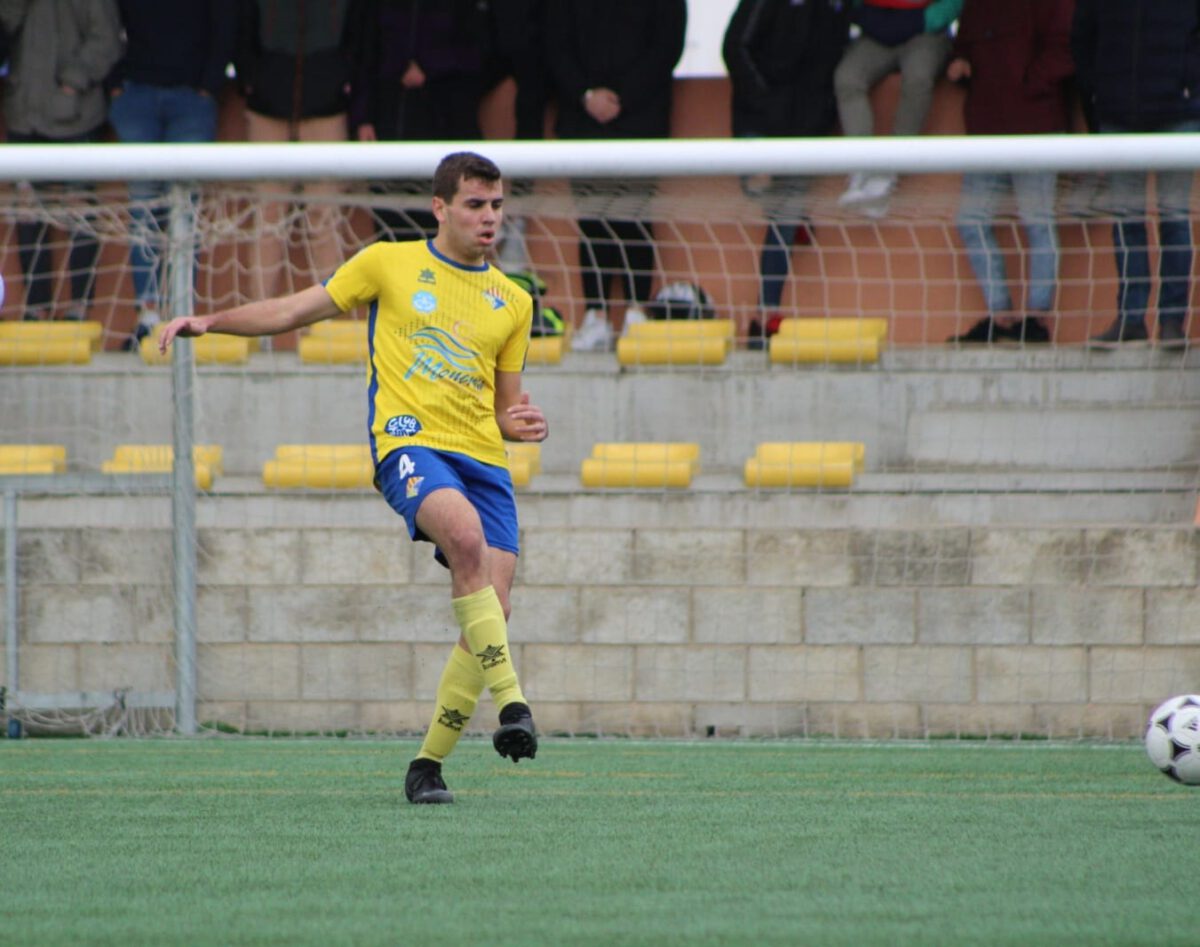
[858,633]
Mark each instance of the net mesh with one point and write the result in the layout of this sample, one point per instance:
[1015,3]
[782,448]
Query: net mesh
[1010,552]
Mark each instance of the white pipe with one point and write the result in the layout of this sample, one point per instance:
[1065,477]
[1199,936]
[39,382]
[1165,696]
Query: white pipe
[242,161]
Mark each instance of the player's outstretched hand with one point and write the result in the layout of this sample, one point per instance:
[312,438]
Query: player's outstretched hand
[531,424]
[186,326]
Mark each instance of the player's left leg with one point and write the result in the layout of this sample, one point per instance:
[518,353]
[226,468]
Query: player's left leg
[516,737]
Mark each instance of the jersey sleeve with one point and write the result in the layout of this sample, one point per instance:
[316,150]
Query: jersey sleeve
[512,355]
[356,281]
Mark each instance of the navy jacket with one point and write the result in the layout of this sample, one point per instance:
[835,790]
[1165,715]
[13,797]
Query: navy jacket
[781,57]
[1138,61]
[177,44]
[629,46]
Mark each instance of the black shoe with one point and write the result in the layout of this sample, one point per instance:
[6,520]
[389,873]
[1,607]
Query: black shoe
[985,331]
[516,737]
[1029,330]
[424,783]
[1171,336]
[1119,333]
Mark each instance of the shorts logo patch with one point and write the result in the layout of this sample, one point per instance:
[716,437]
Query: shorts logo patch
[424,301]
[402,425]
[413,486]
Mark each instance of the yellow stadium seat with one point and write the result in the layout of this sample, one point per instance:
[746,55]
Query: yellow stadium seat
[207,461]
[546,350]
[804,464]
[684,329]
[672,350]
[790,350]
[211,349]
[45,350]
[759,473]
[600,472]
[320,466]
[32,458]
[648,451]
[828,340]
[334,342]
[527,451]
[641,464]
[833,328]
[520,471]
[53,332]
[160,458]
[812,452]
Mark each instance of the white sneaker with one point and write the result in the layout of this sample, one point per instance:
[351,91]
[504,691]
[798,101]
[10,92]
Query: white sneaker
[633,315]
[853,192]
[868,188]
[594,333]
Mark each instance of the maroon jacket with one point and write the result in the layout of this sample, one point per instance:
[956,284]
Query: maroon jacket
[1020,56]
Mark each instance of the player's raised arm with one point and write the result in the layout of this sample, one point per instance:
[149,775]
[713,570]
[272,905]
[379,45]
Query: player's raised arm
[265,317]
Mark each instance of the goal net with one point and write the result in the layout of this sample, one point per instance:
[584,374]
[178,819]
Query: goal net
[813,511]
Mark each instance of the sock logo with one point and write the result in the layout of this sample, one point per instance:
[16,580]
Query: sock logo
[451,718]
[492,656]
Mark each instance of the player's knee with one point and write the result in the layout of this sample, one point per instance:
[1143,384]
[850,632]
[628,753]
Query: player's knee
[466,549]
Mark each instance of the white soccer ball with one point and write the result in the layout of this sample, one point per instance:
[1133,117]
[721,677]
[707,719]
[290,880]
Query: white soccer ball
[1173,738]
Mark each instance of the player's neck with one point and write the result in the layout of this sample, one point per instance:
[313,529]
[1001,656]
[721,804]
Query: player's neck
[456,254]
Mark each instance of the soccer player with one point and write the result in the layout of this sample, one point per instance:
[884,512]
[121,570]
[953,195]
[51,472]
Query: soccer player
[448,334]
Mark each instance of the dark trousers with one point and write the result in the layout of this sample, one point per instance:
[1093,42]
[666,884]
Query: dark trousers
[33,248]
[612,249]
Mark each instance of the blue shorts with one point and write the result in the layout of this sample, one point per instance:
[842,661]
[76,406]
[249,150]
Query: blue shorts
[408,475]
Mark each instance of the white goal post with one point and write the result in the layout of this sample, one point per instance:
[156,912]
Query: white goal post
[1013,552]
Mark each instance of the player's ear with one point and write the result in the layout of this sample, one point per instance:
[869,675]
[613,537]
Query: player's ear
[439,210]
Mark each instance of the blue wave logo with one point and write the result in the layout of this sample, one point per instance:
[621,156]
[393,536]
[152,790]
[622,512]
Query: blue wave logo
[440,355]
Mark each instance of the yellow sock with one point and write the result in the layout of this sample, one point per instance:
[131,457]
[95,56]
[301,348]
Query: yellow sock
[457,693]
[481,619]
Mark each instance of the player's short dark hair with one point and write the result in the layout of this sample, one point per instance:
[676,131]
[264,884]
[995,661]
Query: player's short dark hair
[462,166]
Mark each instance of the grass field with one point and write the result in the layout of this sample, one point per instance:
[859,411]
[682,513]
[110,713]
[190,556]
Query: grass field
[596,842]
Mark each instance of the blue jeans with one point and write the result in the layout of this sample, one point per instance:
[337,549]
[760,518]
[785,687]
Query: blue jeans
[150,113]
[1034,192]
[783,199]
[1131,238]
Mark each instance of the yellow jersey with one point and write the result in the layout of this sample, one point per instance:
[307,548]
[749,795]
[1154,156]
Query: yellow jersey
[437,333]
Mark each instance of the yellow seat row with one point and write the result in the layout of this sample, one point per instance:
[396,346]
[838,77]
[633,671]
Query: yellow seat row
[665,464]
[207,461]
[32,458]
[49,343]
[774,464]
[828,340]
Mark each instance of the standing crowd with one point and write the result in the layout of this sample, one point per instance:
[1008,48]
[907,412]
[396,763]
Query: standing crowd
[369,70]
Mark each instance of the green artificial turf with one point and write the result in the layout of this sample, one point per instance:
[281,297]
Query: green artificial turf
[249,841]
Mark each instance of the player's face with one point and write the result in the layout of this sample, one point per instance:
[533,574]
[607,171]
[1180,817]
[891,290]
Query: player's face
[470,223]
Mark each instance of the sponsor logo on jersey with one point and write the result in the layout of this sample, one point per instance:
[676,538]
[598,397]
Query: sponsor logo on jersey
[427,276]
[439,356]
[402,425]
[494,298]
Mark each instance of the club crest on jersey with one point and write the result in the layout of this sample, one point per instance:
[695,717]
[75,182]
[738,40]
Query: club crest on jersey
[402,425]
[427,276]
[494,298]
[423,301]
[412,486]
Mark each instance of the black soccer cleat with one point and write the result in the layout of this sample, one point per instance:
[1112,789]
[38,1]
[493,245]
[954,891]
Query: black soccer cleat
[516,737]
[424,783]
